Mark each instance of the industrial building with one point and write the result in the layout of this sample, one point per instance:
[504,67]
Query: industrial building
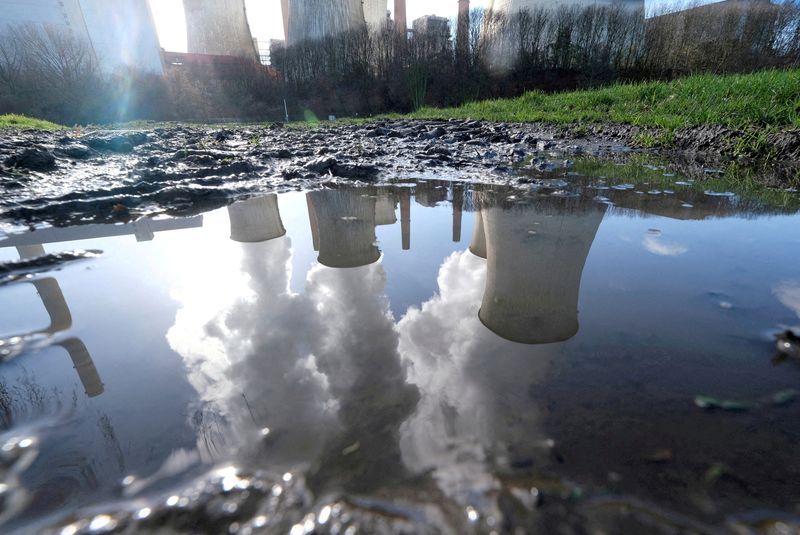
[121,33]
[316,19]
[219,28]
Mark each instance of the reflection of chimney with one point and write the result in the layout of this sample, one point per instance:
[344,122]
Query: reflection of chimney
[400,22]
[458,207]
[478,244]
[312,220]
[256,220]
[82,361]
[385,208]
[535,259]
[405,217]
[346,220]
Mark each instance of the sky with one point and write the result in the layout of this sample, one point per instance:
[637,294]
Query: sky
[266,21]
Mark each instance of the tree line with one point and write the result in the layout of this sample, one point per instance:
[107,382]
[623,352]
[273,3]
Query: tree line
[362,72]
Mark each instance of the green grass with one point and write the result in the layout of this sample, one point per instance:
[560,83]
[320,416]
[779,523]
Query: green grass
[769,99]
[22,122]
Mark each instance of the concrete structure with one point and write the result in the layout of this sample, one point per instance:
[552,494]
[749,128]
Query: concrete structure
[436,29]
[376,13]
[219,27]
[385,207]
[309,20]
[121,33]
[256,220]
[535,258]
[345,227]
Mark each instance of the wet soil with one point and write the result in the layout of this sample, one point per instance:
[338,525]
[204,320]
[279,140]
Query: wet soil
[64,178]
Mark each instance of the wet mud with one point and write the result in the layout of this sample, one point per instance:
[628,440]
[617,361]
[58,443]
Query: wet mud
[71,177]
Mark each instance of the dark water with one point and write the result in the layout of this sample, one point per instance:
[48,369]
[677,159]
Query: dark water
[427,357]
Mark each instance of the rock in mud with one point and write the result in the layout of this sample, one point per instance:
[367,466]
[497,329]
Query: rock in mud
[33,159]
[321,164]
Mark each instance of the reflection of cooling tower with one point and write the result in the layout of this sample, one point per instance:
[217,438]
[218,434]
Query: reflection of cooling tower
[346,227]
[535,259]
[84,365]
[478,244]
[316,19]
[385,213]
[256,220]
[218,27]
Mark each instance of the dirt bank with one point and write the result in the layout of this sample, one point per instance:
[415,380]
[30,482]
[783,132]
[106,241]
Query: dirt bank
[67,177]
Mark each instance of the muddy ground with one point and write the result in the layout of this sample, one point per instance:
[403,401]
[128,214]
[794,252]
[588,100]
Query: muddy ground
[67,177]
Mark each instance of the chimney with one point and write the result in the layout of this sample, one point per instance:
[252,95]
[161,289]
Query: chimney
[400,23]
[462,33]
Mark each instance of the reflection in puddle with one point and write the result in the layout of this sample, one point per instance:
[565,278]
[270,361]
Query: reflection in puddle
[546,360]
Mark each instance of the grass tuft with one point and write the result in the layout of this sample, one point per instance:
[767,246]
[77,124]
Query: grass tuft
[26,123]
[768,99]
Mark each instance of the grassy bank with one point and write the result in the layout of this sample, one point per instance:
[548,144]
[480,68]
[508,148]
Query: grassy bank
[769,99]
[26,123]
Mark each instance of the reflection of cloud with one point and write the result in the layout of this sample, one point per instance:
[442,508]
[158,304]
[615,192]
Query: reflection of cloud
[475,415]
[788,293]
[660,248]
[321,370]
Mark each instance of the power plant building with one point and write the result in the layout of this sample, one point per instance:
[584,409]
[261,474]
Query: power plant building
[121,33]
[218,27]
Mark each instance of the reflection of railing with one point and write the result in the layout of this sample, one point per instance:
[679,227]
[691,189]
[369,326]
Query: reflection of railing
[61,320]
[30,245]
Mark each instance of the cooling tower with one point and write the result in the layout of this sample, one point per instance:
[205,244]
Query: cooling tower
[316,19]
[345,222]
[535,259]
[478,244]
[256,220]
[218,27]
[121,33]
[385,208]
[375,13]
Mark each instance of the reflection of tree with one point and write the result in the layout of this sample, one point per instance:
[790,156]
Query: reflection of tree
[26,399]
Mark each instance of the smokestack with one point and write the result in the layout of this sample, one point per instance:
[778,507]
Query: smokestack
[400,22]
[285,12]
[462,35]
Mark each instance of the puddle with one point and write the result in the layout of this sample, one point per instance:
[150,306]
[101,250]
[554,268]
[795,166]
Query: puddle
[426,357]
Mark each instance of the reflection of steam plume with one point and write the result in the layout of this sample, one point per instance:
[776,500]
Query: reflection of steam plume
[346,227]
[60,320]
[256,220]
[356,347]
[535,259]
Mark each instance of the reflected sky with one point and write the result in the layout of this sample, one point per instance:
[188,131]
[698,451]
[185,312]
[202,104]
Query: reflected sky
[430,338]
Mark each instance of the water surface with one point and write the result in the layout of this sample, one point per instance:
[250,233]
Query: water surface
[427,356]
